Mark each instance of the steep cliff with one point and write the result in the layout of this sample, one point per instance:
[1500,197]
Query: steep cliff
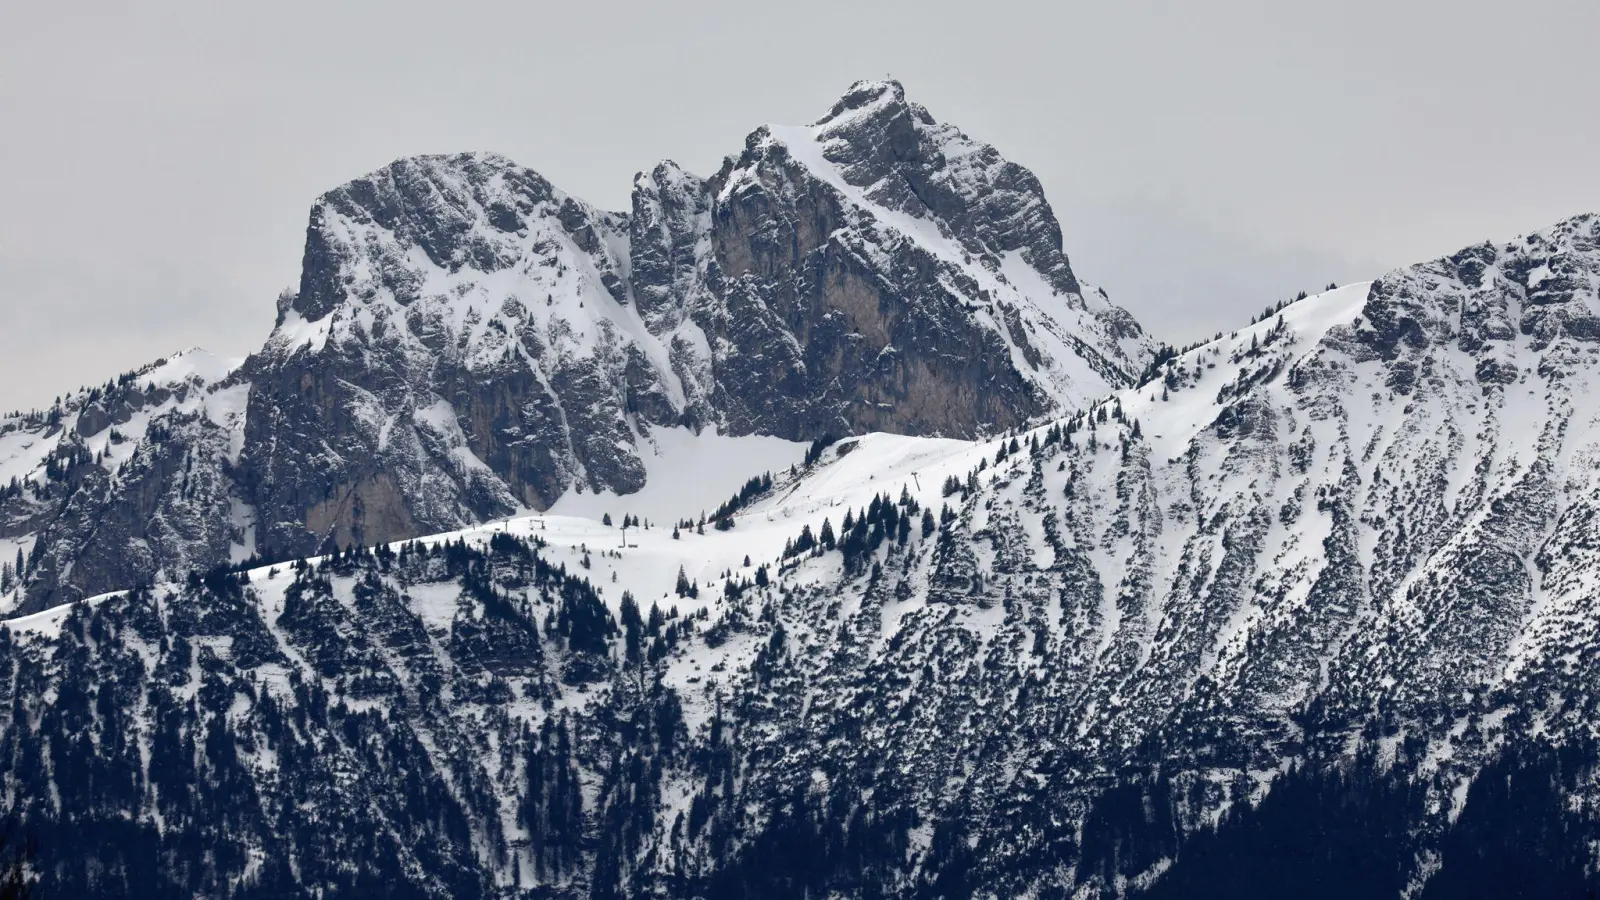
[467,342]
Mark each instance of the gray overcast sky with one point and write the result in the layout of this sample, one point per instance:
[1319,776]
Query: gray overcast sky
[157,160]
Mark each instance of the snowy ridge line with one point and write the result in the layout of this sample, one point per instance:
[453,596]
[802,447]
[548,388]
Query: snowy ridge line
[192,364]
[760,531]
[872,464]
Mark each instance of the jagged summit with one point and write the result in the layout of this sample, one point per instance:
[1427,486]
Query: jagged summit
[468,342]
[1508,306]
[984,236]
[865,93]
[460,211]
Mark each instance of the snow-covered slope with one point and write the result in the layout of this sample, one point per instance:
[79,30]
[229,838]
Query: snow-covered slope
[1335,567]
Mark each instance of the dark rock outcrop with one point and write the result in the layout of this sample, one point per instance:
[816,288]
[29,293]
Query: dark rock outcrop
[467,341]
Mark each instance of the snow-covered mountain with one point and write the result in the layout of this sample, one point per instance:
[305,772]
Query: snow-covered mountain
[1309,612]
[124,480]
[467,342]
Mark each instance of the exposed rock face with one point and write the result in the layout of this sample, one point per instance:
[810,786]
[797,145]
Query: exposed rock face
[482,356]
[467,341]
[880,271]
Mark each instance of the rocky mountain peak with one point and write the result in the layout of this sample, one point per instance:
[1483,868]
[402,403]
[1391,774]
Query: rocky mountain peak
[901,157]
[893,183]
[866,94]
[1492,301]
[462,211]
[467,341]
